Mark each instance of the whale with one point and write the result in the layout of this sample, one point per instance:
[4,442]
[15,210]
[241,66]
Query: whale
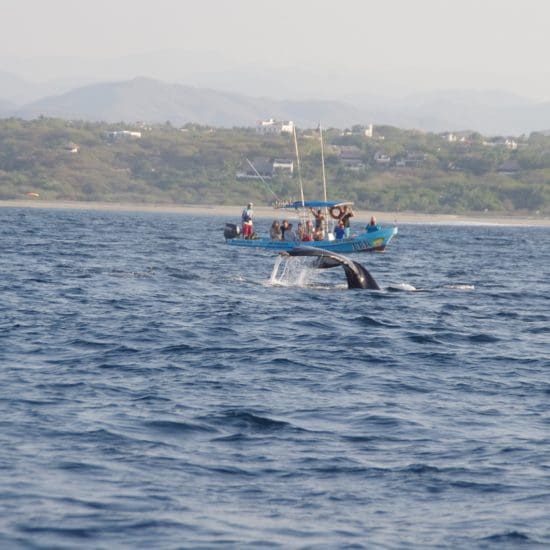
[357,275]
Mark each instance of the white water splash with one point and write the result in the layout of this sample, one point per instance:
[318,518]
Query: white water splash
[402,287]
[290,271]
[460,287]
[273,279]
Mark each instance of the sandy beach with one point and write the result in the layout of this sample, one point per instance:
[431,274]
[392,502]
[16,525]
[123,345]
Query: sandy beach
[233,212]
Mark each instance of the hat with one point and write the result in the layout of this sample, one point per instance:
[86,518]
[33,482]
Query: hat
[250,204]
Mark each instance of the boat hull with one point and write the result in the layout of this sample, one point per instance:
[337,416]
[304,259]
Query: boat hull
[364,242]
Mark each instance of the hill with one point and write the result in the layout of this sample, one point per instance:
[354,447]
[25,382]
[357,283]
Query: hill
[393,170]
[154,101]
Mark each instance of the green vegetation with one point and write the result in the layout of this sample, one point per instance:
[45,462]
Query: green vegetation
[198,165]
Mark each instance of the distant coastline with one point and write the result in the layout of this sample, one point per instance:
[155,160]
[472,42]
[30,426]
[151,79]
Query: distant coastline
[233,212]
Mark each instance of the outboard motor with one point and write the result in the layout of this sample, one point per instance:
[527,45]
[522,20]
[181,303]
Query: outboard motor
[231,231]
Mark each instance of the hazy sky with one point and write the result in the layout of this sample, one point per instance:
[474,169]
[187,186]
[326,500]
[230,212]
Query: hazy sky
[424,44]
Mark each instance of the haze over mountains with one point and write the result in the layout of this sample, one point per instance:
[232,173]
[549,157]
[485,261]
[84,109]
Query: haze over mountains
[213,91]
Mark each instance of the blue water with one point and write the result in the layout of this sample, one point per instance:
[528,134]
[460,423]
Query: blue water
[158,392]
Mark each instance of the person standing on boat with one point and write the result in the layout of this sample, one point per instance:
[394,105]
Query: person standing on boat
[248,224]
[347,213]
[319,218]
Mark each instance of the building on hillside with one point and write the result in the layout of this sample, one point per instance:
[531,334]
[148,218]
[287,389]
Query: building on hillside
[412,160]
[381,159]
[351,157]
[263,168]
[457,137]
[274,127]
[359,130]
[71,147]
[122,134]
[507,143]
[449,136]
[283,165]
[509,167]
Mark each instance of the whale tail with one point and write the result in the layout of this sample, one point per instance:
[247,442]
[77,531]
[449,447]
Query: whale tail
[357,275]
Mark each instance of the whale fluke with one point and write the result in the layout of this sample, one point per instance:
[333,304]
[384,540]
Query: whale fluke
[356,275]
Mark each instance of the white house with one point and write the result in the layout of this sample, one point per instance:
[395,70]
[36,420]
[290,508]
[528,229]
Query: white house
[414,160]
[262,167]
[449,136]
[511,144]
[71,147]
[274,127]
[119,134]
[351,157]
[382,159]
[359,130]
[507,143]
[283,165]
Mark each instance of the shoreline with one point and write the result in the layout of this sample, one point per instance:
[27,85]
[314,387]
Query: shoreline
[261,212]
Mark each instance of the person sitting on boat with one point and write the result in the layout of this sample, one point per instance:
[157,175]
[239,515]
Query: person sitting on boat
[275,233]
[372,225]
[290,234]
[339,230]
[248,225]
[319,218]
[284,227]
[308,231]
[300,232]
[318,234]
[347,213]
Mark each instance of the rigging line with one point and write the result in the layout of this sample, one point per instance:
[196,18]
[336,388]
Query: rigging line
[263,180]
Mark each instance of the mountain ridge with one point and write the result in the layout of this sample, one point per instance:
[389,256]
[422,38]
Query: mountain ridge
[490,112]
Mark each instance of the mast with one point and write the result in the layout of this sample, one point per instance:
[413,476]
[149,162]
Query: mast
[298,164]
[324,177]
[323,164]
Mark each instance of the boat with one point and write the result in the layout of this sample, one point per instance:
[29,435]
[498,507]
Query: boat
[372,238]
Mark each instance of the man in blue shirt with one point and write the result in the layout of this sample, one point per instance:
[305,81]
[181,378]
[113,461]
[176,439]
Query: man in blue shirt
[339,230]
[372,226]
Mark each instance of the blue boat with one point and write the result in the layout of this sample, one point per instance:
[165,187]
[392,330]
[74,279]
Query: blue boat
[372,238]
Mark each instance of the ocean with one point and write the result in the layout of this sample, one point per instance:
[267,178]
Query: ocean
[160,390]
